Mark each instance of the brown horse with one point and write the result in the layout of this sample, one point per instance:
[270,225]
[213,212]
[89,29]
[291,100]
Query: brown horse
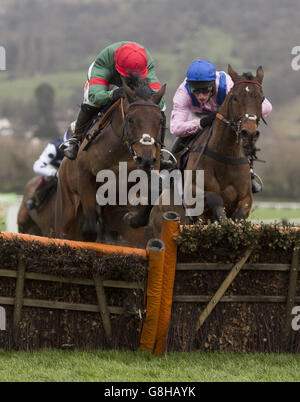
[36,221]
[133,136]
[222,153]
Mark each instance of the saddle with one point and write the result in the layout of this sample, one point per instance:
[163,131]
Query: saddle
[44,190]
[185,146]
[99,124]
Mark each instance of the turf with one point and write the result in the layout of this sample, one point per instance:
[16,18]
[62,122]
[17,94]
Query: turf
[100,366]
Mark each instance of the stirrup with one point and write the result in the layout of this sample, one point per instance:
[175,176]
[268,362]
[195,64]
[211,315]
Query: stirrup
[257,186]
[170,154]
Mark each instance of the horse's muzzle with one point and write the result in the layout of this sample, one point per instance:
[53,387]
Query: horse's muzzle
[249,136]
[145,163]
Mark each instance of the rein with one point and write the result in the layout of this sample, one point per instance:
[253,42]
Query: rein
[145,139]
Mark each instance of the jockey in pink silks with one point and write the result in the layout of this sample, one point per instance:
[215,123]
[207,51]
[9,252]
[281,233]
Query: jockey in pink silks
[196,102]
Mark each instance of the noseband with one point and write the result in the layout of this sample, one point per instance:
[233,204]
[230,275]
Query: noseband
[236,122]
[145,139]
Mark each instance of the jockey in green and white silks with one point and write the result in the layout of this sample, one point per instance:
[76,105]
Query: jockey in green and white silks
[103,86]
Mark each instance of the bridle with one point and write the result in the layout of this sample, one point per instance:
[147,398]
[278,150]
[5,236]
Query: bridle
[145,139]
[236,123]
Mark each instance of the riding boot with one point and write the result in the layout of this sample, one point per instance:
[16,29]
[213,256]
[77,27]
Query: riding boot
[86,114]
[179,145]
[33,201]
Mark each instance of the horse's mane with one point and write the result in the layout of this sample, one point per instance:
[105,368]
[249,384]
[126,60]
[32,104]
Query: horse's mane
[139,85]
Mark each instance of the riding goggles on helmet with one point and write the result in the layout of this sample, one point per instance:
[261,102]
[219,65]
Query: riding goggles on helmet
[203,87]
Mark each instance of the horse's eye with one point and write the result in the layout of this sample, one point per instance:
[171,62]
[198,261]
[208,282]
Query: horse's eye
[130,119]
[235,98]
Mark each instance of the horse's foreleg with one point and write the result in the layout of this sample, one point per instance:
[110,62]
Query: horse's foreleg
[139,219]
[215,203]
[67,222]
[87,193]
[243,208]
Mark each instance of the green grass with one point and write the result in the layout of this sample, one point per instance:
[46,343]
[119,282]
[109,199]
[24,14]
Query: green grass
[2,222]
[142,367]
[23,88]
[260,214]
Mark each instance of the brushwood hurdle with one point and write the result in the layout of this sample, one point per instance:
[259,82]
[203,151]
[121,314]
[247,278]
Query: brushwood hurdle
[210,287]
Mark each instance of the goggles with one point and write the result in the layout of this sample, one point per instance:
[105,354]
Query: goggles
[204,91]
[204,87]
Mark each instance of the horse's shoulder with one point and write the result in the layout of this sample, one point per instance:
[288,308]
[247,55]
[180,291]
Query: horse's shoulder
[201,137]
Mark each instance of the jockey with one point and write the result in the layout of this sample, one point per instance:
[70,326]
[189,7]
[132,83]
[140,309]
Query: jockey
[112,63]
[46,166]
[196,102]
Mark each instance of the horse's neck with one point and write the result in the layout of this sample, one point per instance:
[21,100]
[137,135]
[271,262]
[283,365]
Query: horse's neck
[224,140]
[117,122]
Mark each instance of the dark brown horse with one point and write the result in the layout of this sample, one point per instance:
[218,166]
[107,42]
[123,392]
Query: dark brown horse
[36,221]
[133,137]
[222,154]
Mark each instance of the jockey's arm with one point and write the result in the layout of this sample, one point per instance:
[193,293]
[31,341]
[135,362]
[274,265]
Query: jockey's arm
[42,165]
[154,83]
[98,91]
[266,108]
[180,125]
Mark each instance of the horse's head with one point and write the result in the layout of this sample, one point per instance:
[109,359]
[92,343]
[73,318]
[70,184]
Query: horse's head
[244,103]
[143,121]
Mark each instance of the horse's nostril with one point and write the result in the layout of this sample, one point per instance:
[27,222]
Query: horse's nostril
[139,160]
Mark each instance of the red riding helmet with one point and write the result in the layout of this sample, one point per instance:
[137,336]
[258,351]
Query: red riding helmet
[131,58]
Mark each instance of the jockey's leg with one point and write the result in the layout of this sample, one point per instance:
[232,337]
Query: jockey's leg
[33,202]
[86,114]
[179,144]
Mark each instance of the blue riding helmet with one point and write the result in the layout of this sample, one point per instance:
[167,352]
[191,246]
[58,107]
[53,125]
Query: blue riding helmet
[201,70]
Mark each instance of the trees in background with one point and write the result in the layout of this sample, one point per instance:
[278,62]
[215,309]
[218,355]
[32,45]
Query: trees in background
[45,120]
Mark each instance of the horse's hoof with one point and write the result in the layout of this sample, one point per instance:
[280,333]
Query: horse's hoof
[133,220]
[127,218]
[89,236]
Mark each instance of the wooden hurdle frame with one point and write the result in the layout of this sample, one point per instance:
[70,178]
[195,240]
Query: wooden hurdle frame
[161,257]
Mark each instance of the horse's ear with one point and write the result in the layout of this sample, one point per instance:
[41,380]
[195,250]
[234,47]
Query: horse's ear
[156,97]
[233,74]
[260,74]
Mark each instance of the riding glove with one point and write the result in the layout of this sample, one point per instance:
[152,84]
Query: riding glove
[117,93]
[207,121]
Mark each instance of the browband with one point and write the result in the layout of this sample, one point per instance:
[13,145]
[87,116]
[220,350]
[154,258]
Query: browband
[247,82]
